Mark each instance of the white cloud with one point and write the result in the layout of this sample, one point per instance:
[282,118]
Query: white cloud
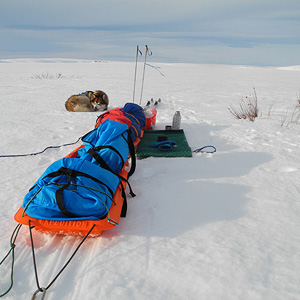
[229,31]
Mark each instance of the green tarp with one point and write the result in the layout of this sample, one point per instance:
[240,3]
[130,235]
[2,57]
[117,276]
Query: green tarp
[182,148]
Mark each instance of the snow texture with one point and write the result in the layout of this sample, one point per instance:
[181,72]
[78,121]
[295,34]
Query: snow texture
[214,226]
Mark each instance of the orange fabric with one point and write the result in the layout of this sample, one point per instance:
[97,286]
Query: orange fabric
[114,115]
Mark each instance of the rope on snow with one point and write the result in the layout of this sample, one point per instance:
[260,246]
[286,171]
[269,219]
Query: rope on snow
[40,152]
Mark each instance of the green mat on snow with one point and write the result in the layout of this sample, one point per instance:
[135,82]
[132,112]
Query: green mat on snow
[182,148]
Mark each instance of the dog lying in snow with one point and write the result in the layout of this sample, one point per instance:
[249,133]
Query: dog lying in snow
[87,102]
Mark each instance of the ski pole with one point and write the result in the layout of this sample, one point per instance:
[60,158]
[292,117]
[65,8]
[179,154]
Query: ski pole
[138,52]
[148,52]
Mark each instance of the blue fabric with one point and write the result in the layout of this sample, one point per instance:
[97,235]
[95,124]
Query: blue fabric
[88,203]
[136,111]
[85,198]
[109,133]
[137,117]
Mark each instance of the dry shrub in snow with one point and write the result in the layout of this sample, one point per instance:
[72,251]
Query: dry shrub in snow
[294,118]
[247,108]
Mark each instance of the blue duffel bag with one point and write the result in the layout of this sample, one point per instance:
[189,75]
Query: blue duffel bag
[107,145]
[71,189]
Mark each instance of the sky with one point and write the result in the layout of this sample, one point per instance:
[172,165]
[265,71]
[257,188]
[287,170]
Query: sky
[240,32]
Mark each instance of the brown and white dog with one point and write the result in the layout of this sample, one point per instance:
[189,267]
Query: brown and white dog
[87,102]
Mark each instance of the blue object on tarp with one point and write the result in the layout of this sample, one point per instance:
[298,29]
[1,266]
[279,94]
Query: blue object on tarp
[164,145]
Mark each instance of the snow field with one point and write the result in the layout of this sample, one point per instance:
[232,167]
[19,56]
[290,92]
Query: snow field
[214,226]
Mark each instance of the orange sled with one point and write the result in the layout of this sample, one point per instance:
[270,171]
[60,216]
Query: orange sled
[81,227]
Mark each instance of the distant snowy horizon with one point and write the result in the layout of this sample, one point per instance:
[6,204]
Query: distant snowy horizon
[78,60]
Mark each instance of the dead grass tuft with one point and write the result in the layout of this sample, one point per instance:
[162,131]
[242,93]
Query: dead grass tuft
[247,109]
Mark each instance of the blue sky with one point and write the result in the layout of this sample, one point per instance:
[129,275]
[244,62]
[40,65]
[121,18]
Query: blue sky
[247,32]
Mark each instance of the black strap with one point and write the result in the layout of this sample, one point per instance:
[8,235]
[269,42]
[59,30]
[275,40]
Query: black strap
[129,141]
[104,165]
[75,173]
[59,198]
[99,119]
[98,148]
[59,193]
[99,160]
[124,206]
[132,153]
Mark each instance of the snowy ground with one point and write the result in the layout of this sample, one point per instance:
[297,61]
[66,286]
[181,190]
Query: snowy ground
[214,226]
